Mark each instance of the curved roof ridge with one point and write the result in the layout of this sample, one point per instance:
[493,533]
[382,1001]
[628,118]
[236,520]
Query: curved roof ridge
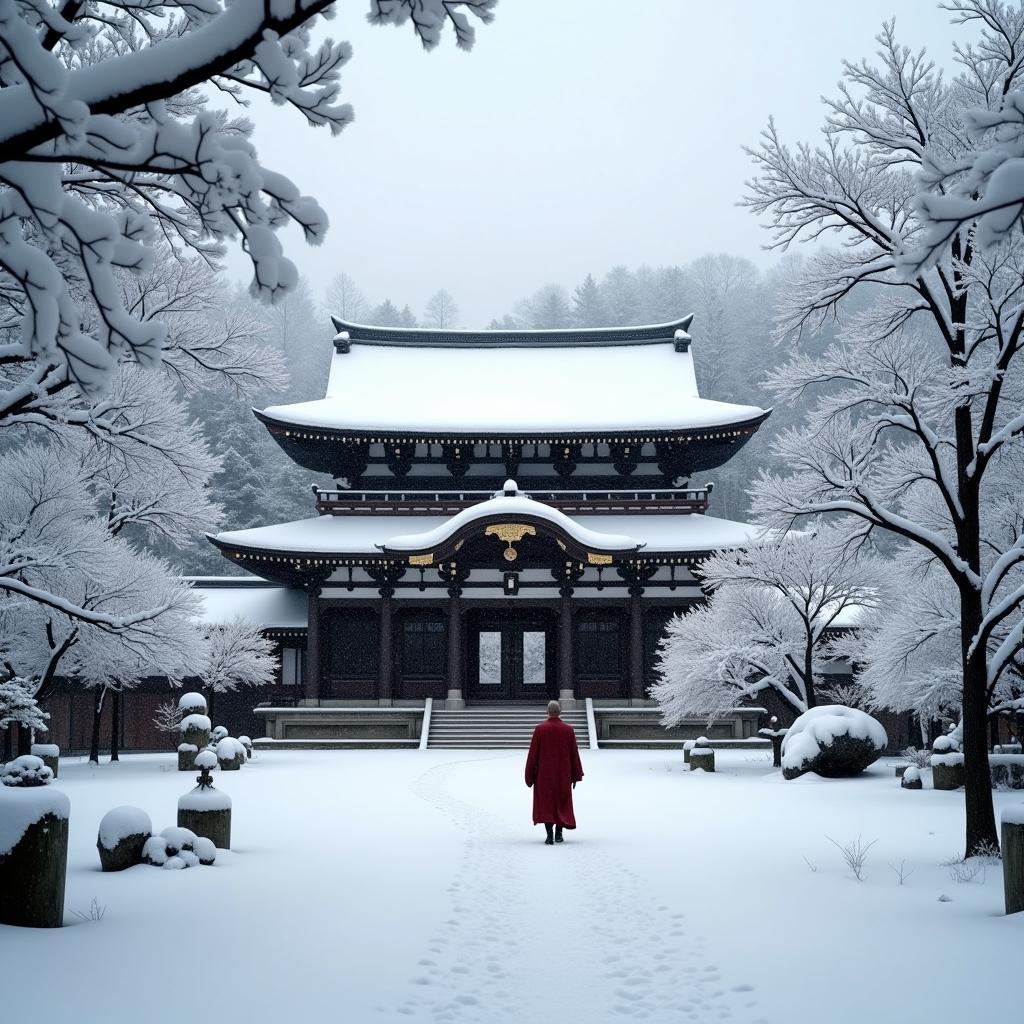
[516,504]
[449,337]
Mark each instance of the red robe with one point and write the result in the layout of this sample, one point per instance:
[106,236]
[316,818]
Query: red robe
[552,766]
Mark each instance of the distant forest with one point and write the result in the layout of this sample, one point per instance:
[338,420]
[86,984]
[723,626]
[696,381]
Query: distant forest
[731,299]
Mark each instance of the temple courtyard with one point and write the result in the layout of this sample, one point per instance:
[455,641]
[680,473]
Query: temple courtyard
[393,885]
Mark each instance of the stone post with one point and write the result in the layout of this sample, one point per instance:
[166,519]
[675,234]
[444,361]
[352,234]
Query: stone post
[1012,842]
[122,835]
[33,867]
[205,810]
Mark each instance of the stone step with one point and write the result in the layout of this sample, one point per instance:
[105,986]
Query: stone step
[496,728]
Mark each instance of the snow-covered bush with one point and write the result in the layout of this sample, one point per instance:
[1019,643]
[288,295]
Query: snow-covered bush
[230,753]
[27,770]
[177,848]
[18,705]
[912,778]
[206,759]
[192,703]
[219,733]
[833,741]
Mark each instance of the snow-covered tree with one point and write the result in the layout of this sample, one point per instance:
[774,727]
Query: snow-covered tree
[765,625]
[548,307]
[18,707]
[588,308]
[975,193]
[919,402]
[236,654]
[441,310]
[107,142]
[345,299]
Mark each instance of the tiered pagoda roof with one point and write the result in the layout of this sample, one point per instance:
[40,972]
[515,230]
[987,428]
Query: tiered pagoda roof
[394,394]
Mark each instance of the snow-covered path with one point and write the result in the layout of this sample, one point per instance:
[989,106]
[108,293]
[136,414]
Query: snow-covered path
[407,885]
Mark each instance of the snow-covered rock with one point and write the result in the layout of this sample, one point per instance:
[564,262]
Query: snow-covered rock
[122,837]
[178,839]
[154,851]
[204,850]
[911,778]
[27,770]
[833,741]
[122,822]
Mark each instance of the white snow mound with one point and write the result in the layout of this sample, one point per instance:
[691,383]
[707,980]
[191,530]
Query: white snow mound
[192,703]
[820,726]
[122,822]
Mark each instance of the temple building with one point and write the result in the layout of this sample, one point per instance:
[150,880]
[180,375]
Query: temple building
[515,516]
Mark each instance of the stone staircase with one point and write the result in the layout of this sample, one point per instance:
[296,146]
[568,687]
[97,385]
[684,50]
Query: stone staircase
[496,728]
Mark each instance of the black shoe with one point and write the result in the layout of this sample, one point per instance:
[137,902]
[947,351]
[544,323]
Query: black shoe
[549,841]
[549,829]
[558,835]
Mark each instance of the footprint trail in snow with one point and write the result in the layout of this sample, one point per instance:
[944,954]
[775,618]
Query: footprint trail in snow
[533,932]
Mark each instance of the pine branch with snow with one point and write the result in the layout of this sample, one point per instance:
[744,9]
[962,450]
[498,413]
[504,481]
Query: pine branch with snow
[18,706]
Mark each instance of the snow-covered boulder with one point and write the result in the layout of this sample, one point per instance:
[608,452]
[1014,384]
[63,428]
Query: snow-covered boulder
[833,741]
[911,778]
[27,770]
[122,837]
[192,704]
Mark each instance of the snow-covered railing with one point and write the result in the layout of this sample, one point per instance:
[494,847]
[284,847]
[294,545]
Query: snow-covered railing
[340,501]
[428,708]
[591,723]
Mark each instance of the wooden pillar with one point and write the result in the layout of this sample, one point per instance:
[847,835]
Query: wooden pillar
[636,644]
[385,662]
[456,698]
[313,648]
[566,689]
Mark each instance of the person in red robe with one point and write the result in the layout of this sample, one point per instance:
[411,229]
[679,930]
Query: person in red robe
[553,768]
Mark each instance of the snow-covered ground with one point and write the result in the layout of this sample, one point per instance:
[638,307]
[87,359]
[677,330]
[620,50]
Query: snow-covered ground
[394,885]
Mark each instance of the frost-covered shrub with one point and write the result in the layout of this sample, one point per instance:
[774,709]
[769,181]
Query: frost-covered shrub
[833,741]
[206,759]
[918,758]
[230,754]
[27,770]
[192,704]
[218,734]
[178,839]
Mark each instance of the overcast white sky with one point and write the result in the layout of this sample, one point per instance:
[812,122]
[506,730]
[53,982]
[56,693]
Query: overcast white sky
[577,134]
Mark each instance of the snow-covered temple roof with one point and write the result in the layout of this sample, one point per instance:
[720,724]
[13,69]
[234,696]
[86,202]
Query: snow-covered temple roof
[238,597]
[364,539]
[492,383]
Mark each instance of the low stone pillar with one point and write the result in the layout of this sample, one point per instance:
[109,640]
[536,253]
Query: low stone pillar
[50,753]
[947,771]
[687,750]
[187,757]
[702,757]
[1012,842]
[33,855]
[122,835]
[205,810]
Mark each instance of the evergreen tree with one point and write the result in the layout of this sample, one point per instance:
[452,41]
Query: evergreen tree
[588,308]
[386,315]
[406,318]
[621,297]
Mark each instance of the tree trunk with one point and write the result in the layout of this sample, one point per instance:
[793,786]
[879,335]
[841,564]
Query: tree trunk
[812,697]
[7,748]
[24,743]
[209,695]
[115,725]
[97,715]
